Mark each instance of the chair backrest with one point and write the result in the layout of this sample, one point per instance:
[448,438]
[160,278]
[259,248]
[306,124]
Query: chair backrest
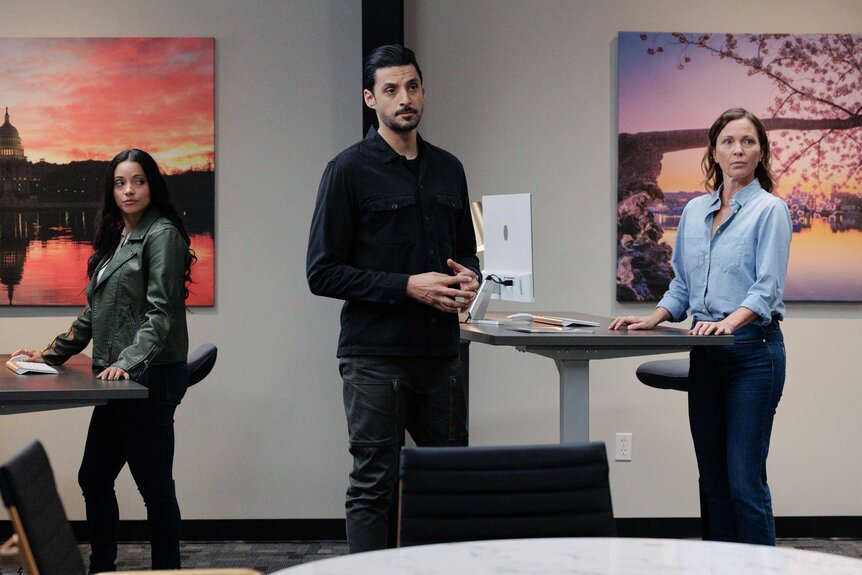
[46,541]
[201,362]
[470,493]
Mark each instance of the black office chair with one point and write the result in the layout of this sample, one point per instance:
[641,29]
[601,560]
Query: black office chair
[46,544]
[664,374]
[201,362]
[471,493]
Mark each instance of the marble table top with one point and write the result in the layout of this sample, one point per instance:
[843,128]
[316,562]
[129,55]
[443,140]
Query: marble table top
[585,556]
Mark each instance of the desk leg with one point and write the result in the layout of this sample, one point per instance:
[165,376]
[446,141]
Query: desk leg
[574,400]
[464,352]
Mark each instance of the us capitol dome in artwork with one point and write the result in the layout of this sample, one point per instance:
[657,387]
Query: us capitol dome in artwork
[10,141]
[16,172]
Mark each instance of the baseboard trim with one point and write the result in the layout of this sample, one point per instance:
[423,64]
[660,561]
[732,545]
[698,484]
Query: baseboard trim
[845,527]
[661,528]
[333,529]
[785,527]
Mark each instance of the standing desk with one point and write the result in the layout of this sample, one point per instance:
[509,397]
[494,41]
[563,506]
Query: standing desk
[75,386]
[572,352]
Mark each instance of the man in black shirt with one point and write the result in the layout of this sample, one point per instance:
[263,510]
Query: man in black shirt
[392,236]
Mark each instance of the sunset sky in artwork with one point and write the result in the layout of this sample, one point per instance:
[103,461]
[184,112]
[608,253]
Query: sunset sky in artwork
[89,98]
[664,92]
[655,95]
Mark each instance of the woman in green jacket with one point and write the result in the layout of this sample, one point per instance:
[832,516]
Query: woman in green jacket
[135,316]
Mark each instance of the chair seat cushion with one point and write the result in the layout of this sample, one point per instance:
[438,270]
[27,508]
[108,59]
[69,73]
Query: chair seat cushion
[201,362]
[664,374]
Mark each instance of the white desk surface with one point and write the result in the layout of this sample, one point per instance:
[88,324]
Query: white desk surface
[585,556]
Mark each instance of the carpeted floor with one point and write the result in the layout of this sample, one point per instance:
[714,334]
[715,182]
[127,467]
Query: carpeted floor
[846,547]
[270,557]
[261,556]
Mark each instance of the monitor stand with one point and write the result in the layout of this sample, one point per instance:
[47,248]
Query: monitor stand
[476,311]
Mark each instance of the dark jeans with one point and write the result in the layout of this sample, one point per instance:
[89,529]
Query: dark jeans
[383,396]
[733,395]
[139,432]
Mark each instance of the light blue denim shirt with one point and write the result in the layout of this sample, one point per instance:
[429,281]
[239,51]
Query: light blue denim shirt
[743,265]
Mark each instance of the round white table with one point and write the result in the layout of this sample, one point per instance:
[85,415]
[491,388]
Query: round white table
[585,556]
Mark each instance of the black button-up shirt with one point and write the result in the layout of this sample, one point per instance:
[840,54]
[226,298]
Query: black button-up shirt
[375,223]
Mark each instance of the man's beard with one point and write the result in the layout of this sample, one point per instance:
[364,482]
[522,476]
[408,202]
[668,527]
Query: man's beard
[402,128]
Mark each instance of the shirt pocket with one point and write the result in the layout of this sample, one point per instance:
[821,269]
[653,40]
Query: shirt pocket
[695,254]
[730,252]
[394,220]
[448,209]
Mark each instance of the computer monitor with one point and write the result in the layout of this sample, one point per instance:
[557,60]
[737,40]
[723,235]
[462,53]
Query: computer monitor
[508,237]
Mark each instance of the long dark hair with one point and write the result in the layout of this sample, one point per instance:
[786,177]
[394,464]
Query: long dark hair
[712,172]
[109,219]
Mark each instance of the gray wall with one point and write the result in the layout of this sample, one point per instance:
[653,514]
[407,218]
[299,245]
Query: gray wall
[263,436]
[525,94]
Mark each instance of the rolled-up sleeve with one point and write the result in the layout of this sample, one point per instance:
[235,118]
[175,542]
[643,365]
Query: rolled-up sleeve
[677,297]
[771,259]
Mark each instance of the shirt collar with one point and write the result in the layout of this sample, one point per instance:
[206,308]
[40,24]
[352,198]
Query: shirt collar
[740,197]
[383,151]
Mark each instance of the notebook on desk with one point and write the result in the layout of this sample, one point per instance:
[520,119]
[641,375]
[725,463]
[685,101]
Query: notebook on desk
[20,365]
[558,329]
[564,321]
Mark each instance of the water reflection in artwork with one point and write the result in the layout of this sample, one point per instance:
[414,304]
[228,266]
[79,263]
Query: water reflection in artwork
[43,258]
[54,152]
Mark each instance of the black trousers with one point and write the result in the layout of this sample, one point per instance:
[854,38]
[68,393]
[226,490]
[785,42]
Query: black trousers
[383,396]
[139,432]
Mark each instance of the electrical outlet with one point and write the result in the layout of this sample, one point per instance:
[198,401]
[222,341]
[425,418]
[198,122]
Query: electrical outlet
[624,447]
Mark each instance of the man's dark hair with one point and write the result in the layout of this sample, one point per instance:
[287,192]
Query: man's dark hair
[387,56]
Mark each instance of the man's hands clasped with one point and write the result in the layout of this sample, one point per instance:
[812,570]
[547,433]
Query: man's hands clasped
[438,291]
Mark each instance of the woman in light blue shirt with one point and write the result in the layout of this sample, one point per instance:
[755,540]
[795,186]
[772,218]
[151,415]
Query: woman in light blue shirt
[730,262]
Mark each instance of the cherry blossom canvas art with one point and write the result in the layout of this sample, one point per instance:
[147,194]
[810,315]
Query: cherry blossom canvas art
[805,88]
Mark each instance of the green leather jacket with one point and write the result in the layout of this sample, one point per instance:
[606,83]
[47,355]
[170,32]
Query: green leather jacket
[135,313]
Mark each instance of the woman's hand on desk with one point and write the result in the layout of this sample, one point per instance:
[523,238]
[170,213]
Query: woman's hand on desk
[638,322]
[631,322]
[113,373]
[711,328]
[33,355]
[742,316]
